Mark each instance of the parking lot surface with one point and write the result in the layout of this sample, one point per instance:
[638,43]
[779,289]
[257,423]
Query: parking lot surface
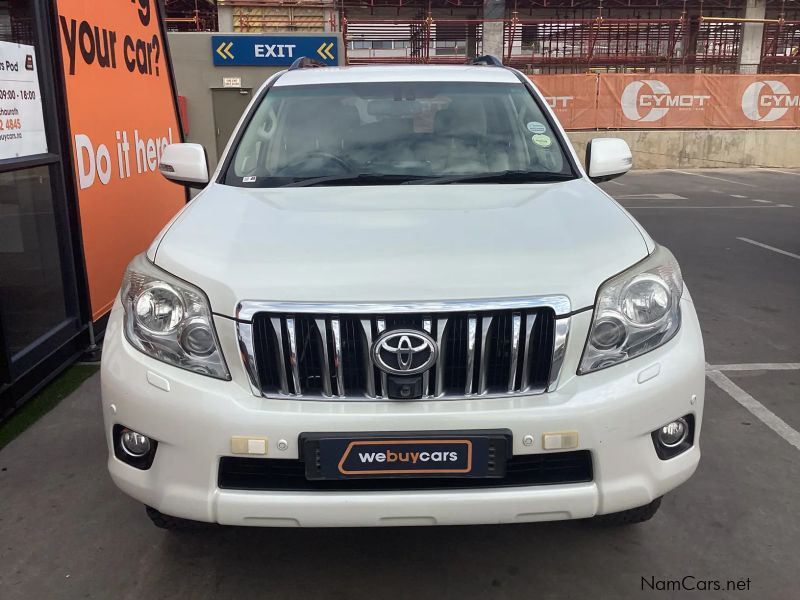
[67,532]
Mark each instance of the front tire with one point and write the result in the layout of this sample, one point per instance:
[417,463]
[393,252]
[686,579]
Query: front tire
[632,516]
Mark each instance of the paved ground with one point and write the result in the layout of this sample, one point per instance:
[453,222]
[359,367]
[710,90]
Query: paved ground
[65,531]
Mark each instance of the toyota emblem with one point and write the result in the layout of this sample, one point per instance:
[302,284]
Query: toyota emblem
[404,352]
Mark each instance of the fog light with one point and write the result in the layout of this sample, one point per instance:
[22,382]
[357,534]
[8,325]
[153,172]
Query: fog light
[134,444]
[673,434]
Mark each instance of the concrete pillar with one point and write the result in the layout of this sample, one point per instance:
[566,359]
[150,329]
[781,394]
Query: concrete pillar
[752,35]
[493,32]
[225,19]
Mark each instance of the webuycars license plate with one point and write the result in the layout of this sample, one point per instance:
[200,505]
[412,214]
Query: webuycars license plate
[424,454]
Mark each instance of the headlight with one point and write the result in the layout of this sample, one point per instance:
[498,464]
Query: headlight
[170,320]
[636,311]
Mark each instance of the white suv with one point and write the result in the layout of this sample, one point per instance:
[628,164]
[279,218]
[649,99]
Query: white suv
[401,300]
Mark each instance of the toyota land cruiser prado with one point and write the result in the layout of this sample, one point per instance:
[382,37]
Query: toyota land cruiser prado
[400,299]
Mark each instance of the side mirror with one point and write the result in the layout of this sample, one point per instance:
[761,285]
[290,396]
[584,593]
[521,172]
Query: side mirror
[185,164]
[607,158]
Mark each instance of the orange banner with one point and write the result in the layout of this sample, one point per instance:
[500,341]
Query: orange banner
[754,101]
[673,101]
[677,101]
[572,97]
[122,113]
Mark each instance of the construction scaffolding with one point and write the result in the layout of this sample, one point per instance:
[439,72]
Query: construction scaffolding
[538,36]
[191,15]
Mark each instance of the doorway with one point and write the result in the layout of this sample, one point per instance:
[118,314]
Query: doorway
[229,104]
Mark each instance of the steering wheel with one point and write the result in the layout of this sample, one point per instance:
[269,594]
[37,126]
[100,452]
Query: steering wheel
[341,162]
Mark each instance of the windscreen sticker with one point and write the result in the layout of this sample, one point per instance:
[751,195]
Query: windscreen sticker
[542,140]
[250,179]
[536,127]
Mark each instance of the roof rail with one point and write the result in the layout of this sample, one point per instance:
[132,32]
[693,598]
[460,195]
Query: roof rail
[489,60]
[305,63]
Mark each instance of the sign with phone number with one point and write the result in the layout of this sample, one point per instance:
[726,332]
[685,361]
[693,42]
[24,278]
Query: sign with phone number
[21,119]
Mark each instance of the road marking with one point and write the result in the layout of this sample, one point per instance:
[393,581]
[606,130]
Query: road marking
[618,183]
[712,177]
[755,367]
[718,207]
[761,412]
[763,201]
[653,197]
[737,196]
[784,172]
[778,250]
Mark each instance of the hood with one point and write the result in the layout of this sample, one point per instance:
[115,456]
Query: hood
[400,243]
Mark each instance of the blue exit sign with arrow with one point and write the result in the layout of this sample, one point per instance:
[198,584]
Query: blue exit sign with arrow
[246,50]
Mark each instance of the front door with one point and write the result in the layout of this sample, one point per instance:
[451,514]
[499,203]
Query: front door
[228,108]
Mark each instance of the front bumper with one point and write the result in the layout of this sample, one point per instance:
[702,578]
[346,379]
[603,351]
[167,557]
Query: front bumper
[194,417]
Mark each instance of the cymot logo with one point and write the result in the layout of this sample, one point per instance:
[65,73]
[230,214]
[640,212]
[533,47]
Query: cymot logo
[770,106]
[559,102]
[649,100]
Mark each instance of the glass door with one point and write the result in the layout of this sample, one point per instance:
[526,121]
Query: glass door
[40,310]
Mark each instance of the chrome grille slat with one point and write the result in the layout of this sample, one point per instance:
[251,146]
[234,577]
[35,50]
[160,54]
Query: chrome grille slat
[381,325]
[337,356]
[366,327]
[516,319]
[281,359]
[472,326]
[498,351]
[439,385]
[483,371]
[291,336]
[427,325]
[559,350]
[527,350]
[244,335]
[322,329]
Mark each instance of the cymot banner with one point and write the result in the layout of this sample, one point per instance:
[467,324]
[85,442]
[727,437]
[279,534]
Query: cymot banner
[572,97]
[673,101]
[754,100]
[679,102]
[122,112]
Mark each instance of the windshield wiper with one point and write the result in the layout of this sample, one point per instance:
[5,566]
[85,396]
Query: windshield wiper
[356,179]
[498,177]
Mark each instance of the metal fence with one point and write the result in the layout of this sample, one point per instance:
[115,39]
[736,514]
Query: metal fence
[780,51]
[575,45]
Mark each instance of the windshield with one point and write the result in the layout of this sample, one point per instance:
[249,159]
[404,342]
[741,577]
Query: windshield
[397,132]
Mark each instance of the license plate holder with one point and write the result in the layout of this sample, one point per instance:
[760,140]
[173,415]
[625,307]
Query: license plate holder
[393,455]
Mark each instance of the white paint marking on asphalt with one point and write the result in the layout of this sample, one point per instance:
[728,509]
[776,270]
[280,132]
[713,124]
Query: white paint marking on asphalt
[652,197]
[763,201]
[784,172]
[761,412]
[618,183]
[773,248]
[712,177]
[738,196]
[755,367]
[678,207]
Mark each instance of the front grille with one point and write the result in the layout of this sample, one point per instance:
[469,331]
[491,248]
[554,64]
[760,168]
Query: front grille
[324,355]
[270,474]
